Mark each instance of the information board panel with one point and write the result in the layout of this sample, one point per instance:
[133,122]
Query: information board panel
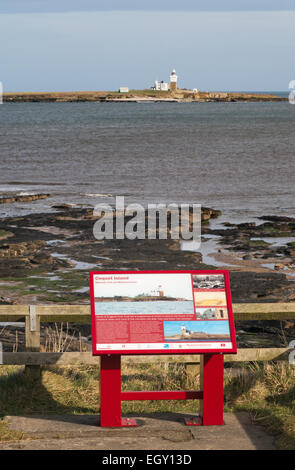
[161,312]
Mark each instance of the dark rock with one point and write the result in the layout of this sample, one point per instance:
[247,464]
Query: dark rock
[249,286]
[22,198]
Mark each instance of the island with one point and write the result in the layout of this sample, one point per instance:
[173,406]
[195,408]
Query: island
[139,96]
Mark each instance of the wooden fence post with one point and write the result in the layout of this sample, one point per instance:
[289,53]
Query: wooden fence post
[32,331]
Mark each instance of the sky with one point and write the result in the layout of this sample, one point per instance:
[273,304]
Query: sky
[20,6]
[95,45]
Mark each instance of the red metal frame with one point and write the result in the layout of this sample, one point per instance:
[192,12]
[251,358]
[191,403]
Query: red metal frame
[211,395]
[212,368]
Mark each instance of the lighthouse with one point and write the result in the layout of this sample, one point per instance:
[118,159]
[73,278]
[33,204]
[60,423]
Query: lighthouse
[160,291]
[173,80]
[185,331]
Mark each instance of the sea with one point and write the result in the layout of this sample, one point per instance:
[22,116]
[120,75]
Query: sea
[156,307]
[237,157]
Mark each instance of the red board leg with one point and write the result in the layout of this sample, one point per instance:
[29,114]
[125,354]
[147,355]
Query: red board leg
[211,409]
[110,390]
[128,422]
[212,366]
[110,393]
[193,421]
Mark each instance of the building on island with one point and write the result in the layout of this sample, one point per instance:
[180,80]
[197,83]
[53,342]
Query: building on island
[161,86]
[173,80]
[185,331]
[123,89]
[165,86]
[158,292]
[161,292]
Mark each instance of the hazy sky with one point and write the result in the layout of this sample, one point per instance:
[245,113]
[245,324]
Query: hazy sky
[54,45]
[196,5]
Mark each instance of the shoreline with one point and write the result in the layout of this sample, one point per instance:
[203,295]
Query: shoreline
[139,96]
[45,258]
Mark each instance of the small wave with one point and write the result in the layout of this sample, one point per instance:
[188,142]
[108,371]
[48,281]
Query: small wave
[97,195]
[26,194]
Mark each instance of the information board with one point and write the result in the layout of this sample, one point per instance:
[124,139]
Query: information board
[161,312]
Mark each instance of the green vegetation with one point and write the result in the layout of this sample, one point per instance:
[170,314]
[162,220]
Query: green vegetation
[60,287]
[147,92]
[150,92]
[258,243]
[5,234]
[267,392]
[270,229]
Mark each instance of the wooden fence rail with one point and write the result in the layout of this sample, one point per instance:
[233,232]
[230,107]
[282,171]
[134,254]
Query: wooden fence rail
[76,358]
[34,315]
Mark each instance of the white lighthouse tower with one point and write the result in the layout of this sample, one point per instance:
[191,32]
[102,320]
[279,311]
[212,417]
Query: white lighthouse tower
[185,331]
[173,80]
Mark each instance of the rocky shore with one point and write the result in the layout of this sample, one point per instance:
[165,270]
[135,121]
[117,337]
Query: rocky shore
[45,258]
[14,197]
[264,246]
[139,96]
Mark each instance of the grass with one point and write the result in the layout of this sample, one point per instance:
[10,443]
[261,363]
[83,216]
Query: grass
[75,389]
[267,392]
[4,234]
[7,435]
[258,243]
[270,229]
[59,390]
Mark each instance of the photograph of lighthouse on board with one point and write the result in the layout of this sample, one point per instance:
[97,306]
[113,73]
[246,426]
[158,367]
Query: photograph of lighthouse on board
[137,294]
[175,331]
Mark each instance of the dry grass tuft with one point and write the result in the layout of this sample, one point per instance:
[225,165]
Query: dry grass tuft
[268,393]
[58,340]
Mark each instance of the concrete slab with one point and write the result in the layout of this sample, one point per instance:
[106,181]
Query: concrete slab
[159,431]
